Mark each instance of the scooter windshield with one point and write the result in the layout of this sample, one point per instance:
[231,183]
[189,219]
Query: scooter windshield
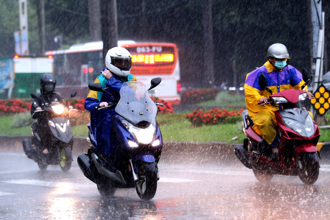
[135,105]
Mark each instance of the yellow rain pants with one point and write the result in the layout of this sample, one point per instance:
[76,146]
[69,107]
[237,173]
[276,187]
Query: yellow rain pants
[264,125]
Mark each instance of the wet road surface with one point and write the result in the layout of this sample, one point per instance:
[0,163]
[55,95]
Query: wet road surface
[185,191]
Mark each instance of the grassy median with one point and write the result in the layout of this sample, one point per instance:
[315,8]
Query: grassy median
[174,127]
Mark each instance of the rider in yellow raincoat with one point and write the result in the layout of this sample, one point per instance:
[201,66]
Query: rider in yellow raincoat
[280,76]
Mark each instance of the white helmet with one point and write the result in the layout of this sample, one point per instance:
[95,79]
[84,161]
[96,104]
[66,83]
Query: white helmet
[118,61]
[278,51]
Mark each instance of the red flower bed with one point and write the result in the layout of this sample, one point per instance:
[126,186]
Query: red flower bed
[198,95]
[214,116]
[167,107]
[82,116]
[79,118]
[13,106]
[77,104]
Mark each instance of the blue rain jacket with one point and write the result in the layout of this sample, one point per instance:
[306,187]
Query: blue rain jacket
[100,124]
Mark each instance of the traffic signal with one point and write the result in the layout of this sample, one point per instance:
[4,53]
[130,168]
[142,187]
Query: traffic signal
[321,102]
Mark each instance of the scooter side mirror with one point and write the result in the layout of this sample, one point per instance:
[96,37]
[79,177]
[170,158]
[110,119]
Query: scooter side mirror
[73,94]
[306,77]
[34,96]
[155,82]
[95,87]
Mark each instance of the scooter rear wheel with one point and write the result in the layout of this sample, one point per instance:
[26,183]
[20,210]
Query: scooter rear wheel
[146,186]
[263,175]
[310,168]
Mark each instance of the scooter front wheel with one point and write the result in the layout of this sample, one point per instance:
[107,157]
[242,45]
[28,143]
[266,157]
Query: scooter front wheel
[146,185]
[106,189]
[42,165]
[66,154]
[263,175]
[309,168]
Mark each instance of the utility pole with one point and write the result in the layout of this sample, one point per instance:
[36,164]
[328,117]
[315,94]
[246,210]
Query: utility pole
[143,22]
[23,32]
[94,19]
[208,43]
[318,41]
[109,25]
[41,25]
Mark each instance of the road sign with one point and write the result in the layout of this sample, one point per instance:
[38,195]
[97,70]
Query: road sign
[321,102]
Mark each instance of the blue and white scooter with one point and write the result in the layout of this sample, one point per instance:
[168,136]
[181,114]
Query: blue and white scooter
[138,142]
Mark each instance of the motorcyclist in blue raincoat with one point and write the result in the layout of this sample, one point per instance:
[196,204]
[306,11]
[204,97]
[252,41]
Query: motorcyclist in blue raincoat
[118,64]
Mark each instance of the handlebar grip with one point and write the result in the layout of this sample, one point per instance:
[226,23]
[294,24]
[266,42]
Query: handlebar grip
[110,105]
[269,101]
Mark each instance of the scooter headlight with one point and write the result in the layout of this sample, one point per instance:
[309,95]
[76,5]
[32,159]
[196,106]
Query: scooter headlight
[58,109]
[306,129]
[132,144]
[142,135]
[309,126]
[156,143]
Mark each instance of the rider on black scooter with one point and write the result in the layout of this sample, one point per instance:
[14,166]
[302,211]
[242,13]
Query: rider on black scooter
[47,84]
[118,64]
[279,76]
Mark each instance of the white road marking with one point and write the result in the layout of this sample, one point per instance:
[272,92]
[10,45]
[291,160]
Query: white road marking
[175,180]
[81,186]
[47,183]
[5,194]
[325,167]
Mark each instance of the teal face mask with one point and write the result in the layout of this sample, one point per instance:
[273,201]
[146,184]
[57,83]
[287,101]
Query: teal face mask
[280,64]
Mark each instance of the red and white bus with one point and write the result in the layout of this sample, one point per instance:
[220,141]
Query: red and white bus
[82,63]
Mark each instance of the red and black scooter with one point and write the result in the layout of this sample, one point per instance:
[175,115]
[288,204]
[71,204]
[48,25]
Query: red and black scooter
[298,135]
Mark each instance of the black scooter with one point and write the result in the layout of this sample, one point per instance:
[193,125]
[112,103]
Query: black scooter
[60,141]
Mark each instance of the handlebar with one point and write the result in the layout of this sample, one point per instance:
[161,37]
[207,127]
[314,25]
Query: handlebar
[41,111]
[269,101]
[110,105]
[159,103]
[265,103]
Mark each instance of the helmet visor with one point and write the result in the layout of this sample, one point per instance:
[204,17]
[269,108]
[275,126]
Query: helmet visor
[49,87]
[122,63]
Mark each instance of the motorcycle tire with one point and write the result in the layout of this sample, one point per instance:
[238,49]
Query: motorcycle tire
[66,162]
[263,175]
[106,189]
[146,186]
[42,166]
[309,168]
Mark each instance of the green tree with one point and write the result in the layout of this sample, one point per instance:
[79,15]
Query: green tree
[242,30]
[66,18]
[8,25]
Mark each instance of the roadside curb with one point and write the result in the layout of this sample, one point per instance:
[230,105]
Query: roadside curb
[190,152]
